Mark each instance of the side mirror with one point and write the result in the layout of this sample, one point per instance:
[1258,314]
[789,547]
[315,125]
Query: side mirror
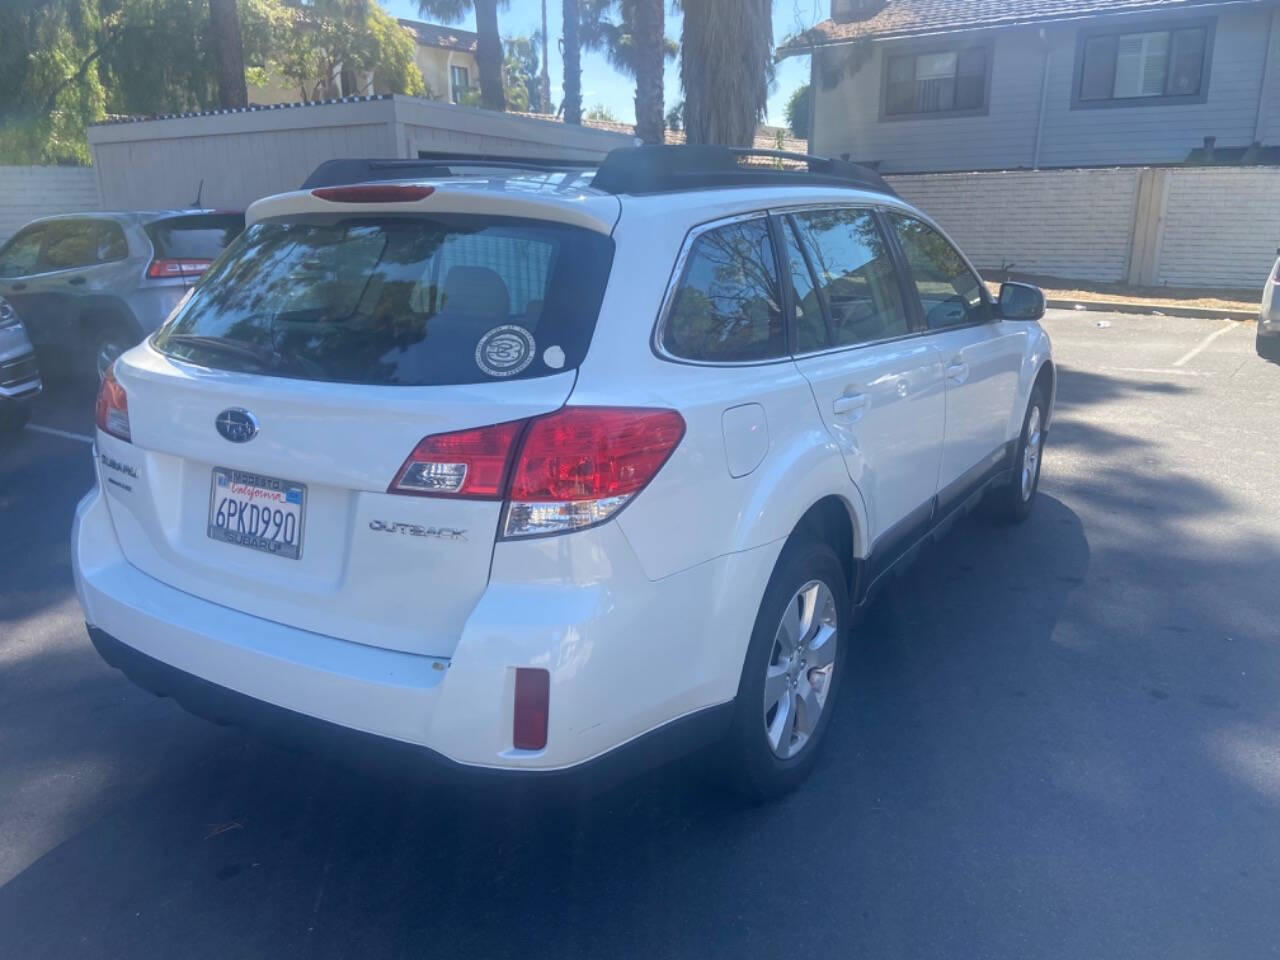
[1021,301]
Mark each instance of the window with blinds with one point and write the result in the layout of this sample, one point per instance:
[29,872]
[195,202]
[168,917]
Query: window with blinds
[1145,65]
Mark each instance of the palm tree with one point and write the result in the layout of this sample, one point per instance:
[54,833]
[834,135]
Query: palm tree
[544,78]
[572,53]
[634,43]
[650,54]
[726,64]
[488,46]
[228,48]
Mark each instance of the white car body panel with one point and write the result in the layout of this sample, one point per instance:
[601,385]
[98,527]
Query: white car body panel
[640,621]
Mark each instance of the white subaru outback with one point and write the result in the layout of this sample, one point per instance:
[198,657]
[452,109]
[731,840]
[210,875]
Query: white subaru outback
[524,468]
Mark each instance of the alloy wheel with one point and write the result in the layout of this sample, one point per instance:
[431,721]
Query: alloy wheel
[800,669]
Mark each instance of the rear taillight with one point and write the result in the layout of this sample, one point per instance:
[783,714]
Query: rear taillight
[112,413]
[172,269]
[580,465]
[374,193]
[468,463]
[560,472]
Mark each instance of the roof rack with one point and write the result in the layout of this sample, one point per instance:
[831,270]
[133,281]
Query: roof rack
[664,169]
[634,170]
[334,173]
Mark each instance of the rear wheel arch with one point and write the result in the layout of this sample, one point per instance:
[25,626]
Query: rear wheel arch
[832,520]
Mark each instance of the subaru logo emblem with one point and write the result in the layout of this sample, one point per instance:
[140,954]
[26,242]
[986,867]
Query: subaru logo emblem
[237,425]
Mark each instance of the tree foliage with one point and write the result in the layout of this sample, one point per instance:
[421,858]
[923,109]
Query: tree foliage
[798,112]
[65,64]
[602,113]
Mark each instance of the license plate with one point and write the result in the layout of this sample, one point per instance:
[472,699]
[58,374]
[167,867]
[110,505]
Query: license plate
[263,513]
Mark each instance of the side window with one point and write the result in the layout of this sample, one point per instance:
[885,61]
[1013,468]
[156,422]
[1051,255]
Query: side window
[950,292]
[69,243]
[855,274]
[811,324]
[110,242]
[727,306]
[18,257]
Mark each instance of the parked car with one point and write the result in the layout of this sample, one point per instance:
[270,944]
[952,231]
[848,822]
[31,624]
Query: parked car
[89,286]
[19,371]
[527,472]
[1268,337]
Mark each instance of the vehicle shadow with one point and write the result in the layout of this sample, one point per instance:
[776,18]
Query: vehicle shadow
[993,780]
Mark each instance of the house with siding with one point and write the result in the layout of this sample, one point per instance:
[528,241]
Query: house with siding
[970,85]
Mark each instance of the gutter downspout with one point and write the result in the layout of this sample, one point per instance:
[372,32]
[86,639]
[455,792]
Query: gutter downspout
[1044,99]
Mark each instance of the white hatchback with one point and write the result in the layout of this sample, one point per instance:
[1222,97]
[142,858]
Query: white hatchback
[529,468]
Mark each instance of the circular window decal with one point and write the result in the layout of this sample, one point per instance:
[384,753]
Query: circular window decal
[505,351]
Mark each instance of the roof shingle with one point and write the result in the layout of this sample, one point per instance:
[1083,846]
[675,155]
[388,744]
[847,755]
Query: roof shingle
[446,38]
[905,18]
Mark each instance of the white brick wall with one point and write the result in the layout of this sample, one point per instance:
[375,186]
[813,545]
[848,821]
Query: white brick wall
[1221,227]
[30,192]
[1075,224]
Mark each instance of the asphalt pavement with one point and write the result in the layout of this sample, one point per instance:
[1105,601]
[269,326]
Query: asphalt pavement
[1056,740]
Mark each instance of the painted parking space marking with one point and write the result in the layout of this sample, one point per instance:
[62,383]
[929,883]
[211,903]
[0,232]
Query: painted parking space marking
[55,432]
[1203,344]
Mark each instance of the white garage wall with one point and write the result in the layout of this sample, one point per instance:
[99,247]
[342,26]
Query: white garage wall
[30,192]
[1221,224]
[1074,224]
[1210,226]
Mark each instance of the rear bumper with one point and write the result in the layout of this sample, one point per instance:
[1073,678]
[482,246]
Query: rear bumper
[223,706]
[639,668]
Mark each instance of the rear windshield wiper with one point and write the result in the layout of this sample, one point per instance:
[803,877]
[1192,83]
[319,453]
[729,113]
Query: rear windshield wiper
[264,357]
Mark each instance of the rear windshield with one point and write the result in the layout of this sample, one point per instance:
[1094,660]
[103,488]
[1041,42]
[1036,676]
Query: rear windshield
[196,237]
[406,300]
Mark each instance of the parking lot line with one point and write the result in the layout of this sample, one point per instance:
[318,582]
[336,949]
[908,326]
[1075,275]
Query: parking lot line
[55,432]
[1200,347]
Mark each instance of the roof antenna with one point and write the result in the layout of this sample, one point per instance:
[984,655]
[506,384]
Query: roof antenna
[199,193]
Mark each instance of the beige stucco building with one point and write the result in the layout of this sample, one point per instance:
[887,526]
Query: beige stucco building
[446,58]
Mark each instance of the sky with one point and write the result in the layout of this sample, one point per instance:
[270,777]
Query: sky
[602,84]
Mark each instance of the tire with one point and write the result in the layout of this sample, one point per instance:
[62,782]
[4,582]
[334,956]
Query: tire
[1268,347]
[106,343]
[769,753]
[1012,502]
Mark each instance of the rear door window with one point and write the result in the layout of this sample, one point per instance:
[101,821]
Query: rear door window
[18,257]
[397,300]
[727,307]
[855,274]
[69,244]
[950,293]
[110,243]
[194,237]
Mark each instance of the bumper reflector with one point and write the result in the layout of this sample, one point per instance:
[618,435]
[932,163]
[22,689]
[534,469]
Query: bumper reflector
[533,695]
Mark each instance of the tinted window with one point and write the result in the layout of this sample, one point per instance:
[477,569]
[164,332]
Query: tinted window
[69,243]
[950,292]
[811,323]
[199,237]
[855,275]
[18,257]
[110,242]
[727,306]
[397,300]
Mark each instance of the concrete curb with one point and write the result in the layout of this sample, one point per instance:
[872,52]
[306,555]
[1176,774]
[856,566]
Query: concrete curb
[1112,306]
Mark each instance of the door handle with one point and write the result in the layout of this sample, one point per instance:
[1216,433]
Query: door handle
[850,406]
[957,371]
[19,286]
[76,281]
